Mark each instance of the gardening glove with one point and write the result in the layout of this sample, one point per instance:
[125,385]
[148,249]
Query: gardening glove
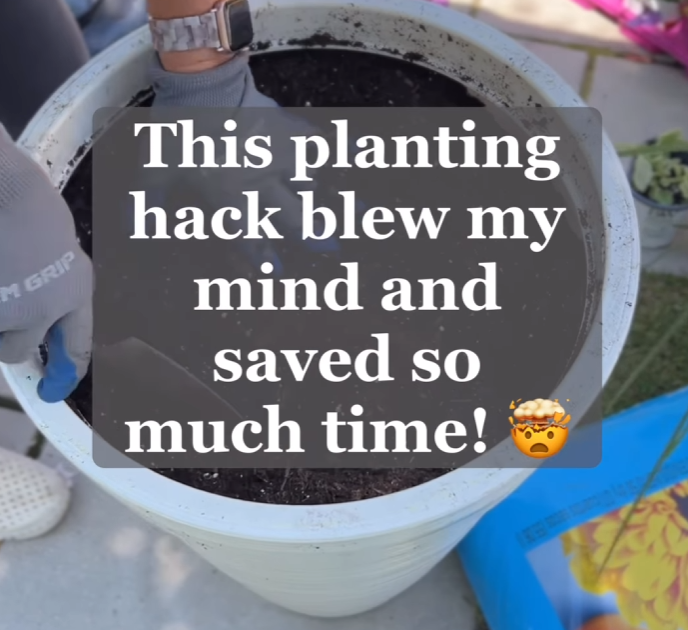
[46,280]
[231,86]
[33,497]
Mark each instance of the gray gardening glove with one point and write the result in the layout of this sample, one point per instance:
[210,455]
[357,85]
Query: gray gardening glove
[231,86]
[46,280]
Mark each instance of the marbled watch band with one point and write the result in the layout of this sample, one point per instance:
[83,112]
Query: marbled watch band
[188,33]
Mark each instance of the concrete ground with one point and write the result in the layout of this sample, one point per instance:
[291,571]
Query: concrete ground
[103,568]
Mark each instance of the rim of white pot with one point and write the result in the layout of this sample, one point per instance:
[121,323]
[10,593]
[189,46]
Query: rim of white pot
[467,490]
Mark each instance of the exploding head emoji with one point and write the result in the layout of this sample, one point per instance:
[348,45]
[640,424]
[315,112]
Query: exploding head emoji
[539,427]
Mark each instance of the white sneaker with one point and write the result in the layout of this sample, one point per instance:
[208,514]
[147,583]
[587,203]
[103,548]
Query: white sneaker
[33,497]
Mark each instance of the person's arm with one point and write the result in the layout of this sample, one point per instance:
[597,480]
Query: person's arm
[206,78]
[191,61]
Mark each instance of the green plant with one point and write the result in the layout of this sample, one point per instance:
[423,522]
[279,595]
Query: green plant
[657,172]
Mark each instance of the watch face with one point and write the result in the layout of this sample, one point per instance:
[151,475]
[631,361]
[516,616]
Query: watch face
[240,24]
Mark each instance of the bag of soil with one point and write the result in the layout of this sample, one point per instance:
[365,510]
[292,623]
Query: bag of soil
[552,557]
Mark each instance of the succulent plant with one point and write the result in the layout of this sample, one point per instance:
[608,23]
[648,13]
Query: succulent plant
[660,172]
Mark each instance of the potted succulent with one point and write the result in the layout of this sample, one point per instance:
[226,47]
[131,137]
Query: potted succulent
[659,181]
[340,559]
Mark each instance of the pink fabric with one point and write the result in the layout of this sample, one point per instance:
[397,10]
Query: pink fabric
[646,30]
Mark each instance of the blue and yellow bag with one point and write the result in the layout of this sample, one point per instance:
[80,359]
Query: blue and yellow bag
[534,561]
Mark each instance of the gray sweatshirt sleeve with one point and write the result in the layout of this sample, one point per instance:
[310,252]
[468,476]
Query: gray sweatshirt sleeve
[224,86]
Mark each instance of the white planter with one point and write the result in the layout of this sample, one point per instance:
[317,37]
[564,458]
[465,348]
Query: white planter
[658,223]
[658,228]
[341,559]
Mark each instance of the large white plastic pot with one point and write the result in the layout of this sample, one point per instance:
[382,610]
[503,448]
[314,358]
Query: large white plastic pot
[341,559]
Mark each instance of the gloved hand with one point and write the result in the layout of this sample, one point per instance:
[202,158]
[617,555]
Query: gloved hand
[46,280]
[231,86]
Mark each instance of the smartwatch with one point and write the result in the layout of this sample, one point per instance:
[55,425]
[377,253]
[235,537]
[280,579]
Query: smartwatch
[227,27]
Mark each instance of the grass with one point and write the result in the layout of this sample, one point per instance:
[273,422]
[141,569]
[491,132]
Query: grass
[663,300]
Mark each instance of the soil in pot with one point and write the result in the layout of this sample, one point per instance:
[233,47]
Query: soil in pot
[324,78]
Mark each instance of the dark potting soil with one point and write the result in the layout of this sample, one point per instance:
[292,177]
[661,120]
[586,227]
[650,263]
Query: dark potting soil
[317,78]
[334,78]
